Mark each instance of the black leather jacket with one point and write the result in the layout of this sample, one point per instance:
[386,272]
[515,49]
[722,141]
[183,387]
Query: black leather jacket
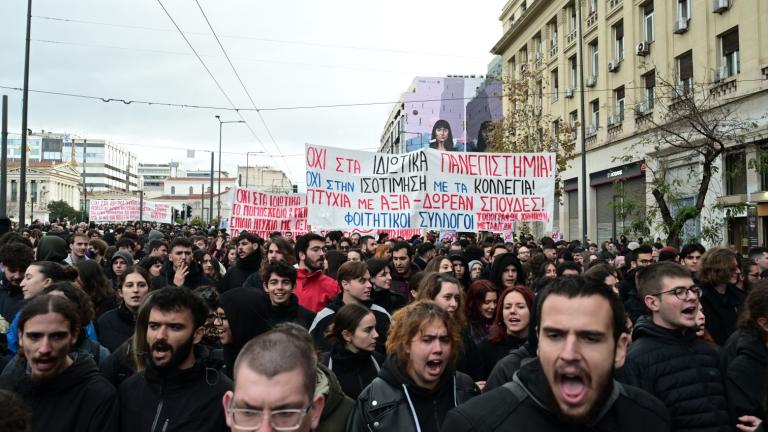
[393,402]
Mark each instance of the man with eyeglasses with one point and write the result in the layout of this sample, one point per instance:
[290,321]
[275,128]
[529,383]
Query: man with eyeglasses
[668,360]
[275,378]
[176,391]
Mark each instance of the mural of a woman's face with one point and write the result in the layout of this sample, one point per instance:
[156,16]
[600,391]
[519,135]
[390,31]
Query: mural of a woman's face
[441,134]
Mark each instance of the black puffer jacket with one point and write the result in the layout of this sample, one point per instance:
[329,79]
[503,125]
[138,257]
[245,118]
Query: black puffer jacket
[79,399]
[721,310]
[506,368]
[746,376]
[683,372]
[502,262]
[387,299]
[629,296]
[291,311]
[115,327]
[238,273]
[326,316]
[177,400]
[524,404]
[354,370]
[394,403]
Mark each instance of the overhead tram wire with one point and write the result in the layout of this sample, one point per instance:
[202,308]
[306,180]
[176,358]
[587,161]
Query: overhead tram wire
[242,84]
[107,99]
[239,114]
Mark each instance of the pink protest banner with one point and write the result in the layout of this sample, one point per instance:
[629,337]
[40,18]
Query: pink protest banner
[262,213]
[125,210]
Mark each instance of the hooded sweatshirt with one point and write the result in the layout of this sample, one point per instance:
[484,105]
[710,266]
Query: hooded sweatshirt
[52,248]
[337,406]
[78,399]
[314,289]
[394,402]
[501,263]
[746,375]
[238,273]
[248,316]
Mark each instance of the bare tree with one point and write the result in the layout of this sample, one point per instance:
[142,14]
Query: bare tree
[697,122]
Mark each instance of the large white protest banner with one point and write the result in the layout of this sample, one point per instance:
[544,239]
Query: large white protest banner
[122,210]
[262,213]
[428,188]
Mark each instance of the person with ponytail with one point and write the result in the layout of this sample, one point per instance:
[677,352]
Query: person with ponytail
[353,357]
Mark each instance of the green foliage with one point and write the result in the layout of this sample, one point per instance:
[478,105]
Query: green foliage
[62,210]
[196,221]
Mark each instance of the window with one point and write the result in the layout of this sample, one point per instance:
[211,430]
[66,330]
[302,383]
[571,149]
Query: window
[512,67]
[685,72]
[684,9]
[573,78]
[618,95]
[524,56]
[618,41]
[573,119]
[592,6]
[537,46]
[594,108]
[572,20]
[554,83]
[736,173]
[539,93]
[553,33]
[648,22]
[191,190]
[729,46]
[14,190]
[593,57]
[173,190]
[650,86]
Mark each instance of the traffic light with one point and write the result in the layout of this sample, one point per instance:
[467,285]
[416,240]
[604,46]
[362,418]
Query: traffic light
[189,211]
[175,214]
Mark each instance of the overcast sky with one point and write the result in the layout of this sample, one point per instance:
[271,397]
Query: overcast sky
[288,53]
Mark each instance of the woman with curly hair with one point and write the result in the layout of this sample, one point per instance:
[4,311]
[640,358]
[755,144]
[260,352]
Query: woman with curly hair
[417,384]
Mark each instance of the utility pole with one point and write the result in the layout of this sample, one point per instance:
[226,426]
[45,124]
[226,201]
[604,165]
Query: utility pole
[218,198]
[584,210]
[24,110]
[210,196]
[4,162]
[85,189]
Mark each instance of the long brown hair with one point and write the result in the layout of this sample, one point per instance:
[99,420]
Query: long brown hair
[499,329]
[717,266]
[432,284]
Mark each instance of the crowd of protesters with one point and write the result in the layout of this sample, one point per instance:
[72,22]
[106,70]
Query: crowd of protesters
[130,327]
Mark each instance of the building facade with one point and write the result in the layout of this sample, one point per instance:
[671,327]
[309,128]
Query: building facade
[265,179]
[152,175]
[631,47]
[47,181]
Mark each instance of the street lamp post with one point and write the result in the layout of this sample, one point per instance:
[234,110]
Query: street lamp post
[248,165]
[218,192]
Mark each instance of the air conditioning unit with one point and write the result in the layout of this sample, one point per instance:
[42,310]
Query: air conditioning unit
[569,92]
[643,48]
[613,66]
[719,73]
[720,6]
[591,80]
[681,26]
